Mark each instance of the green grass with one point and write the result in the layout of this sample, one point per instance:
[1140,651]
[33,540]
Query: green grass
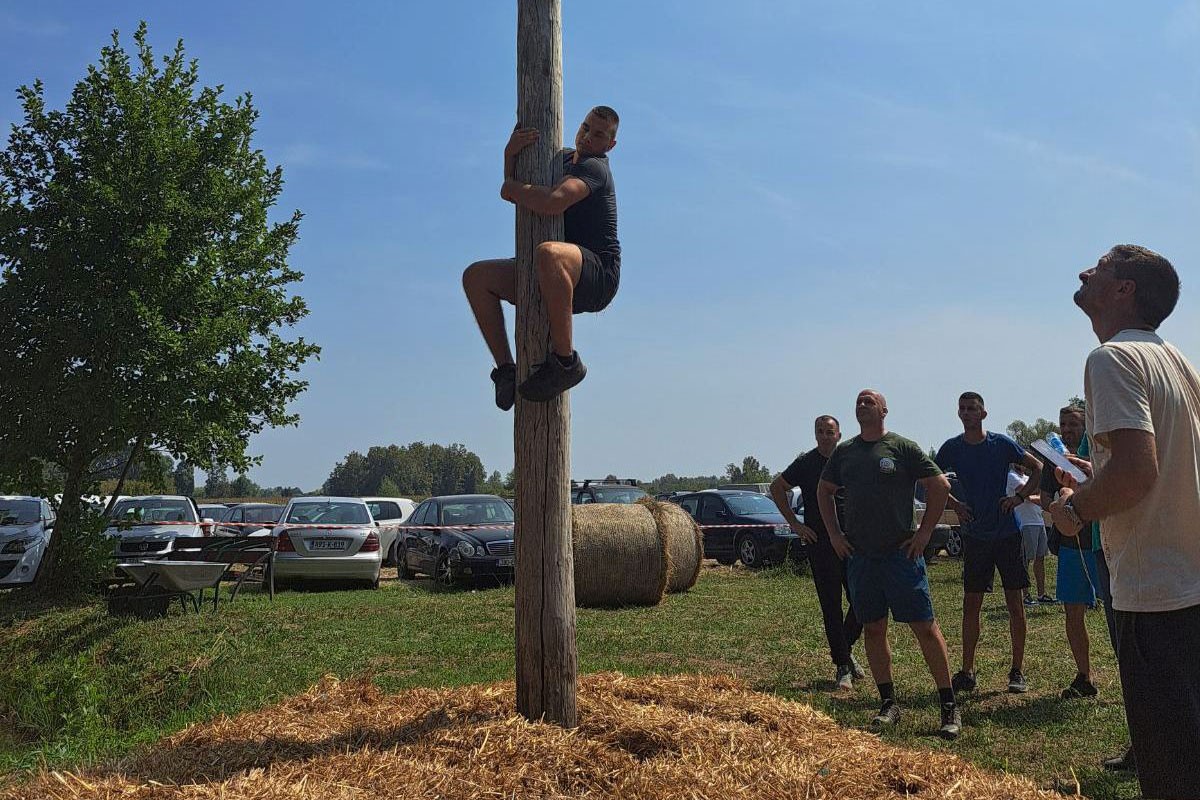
[78,685]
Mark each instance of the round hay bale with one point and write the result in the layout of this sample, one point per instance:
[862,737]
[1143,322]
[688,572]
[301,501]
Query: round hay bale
[620,558]
[684,543]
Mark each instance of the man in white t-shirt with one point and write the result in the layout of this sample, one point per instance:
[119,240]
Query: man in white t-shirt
[1143,413]
[1033,533]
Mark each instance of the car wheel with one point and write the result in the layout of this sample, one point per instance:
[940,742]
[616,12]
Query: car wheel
[389,560]
[954,543]
[442,572]
[748,552]
[402,569]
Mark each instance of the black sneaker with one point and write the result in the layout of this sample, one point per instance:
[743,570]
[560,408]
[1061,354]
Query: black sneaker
[1126,762]
[1080,687]
[505,378]
[888,716]
[551,378]
[951,721]
[963,681]
[1016,682]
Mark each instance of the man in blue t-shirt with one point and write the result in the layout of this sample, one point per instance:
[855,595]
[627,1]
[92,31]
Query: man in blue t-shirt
[574,276]
[990,536]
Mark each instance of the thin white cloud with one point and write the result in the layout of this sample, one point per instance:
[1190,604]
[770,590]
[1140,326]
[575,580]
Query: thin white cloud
[305,154]
[1053,156]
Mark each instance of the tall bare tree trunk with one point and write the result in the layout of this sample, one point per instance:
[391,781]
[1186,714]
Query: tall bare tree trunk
[545,608]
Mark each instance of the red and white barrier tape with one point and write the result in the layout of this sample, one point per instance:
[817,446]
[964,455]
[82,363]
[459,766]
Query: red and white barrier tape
[307,526]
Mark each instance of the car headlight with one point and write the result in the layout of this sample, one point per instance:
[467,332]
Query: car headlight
[17,546]
[465,549]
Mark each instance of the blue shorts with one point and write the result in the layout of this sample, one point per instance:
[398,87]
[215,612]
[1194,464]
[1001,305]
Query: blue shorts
[1077,584]
[895,582]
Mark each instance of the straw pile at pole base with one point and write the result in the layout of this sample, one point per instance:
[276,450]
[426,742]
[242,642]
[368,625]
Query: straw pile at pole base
[684,543]
[620,557]
[702,738]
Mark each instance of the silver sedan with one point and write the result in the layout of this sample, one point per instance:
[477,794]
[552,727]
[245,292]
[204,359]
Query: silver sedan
[327,538]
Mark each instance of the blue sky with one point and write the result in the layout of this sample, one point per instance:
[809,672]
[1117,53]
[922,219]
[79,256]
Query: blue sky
[814,198]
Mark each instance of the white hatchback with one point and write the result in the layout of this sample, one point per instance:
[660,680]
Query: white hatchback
[390,513]
[25,527]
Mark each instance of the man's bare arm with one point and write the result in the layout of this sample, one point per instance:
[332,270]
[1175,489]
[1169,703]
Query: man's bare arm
[779,492]
[545,200]
[833,526]
[937,491]
[1127,477]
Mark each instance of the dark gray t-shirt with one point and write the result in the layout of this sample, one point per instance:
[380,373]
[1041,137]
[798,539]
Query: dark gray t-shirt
[592,222]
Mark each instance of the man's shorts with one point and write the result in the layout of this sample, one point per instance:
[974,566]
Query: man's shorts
[895,582]
[983,557]
[598,280]
[1077,577]
[1033,542]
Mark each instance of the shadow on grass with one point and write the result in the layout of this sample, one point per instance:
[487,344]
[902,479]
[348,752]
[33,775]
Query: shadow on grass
[208,761]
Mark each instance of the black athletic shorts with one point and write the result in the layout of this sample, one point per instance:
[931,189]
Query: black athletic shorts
[598,281]
[983,557]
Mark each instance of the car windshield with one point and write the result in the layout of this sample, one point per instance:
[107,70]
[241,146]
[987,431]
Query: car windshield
[743,504]
[262,514]
[20,512]
[476,512]
[626,494]
[334,513]
[151,510]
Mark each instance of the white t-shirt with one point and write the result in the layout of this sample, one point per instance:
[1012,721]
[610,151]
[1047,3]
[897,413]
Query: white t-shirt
[1027,513]
[1136,381]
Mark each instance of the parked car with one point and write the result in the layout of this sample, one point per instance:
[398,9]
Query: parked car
[624,490]
[215,511]
[261,516]
[151,524]
[26,524]
[456,538]
[770,540]
[307,548]
[389,512]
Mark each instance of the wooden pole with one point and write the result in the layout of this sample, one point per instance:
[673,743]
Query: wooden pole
[545,574]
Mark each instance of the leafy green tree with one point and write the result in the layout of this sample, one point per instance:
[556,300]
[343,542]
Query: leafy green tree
[242,486]
[185,478]
[145,293]
[1025,433]
[751,471]
[217,484]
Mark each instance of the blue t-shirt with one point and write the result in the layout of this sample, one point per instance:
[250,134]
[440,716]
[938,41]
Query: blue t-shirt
[982,471]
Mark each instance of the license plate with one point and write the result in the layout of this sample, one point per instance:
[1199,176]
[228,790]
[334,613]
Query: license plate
[327,544]
[504,562]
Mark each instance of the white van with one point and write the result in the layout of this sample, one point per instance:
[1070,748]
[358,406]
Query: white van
[390,513]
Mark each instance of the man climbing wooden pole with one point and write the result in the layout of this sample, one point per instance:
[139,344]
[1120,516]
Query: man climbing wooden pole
[568,262]
[545,577]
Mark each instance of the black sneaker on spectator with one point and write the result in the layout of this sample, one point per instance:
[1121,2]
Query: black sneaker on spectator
[552,377]
[1080,687]
[1030,600]
[1048,599]
[844,677]
[888,716]
[505,378]
[1016,682]
[963,681]
[951,721]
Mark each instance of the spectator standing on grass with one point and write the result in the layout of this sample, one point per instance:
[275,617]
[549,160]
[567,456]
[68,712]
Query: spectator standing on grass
[1143,414]
[885,565]
[1078,579]
[1032,525]
[991,540]
[828,570]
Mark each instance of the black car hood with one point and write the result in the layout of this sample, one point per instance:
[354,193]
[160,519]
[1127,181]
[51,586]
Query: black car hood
[768,519]
[484,535]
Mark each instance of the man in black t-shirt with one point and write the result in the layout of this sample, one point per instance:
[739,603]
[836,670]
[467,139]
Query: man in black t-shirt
[578,275]
[828,570]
